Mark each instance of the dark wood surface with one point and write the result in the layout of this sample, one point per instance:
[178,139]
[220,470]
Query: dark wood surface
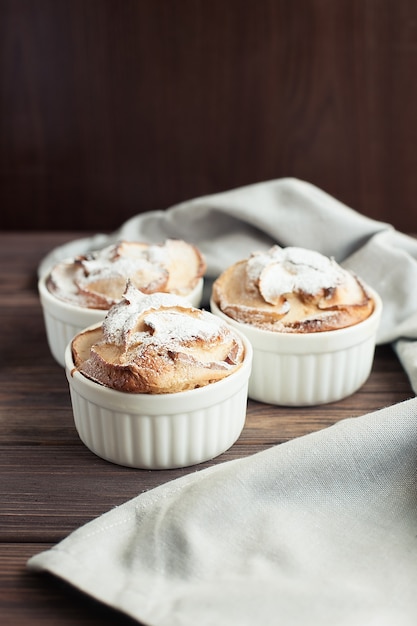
[108,108]
[50,484]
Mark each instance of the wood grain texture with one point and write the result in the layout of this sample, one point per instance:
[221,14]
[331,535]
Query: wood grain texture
[51,484]
[108,109]
[42,600]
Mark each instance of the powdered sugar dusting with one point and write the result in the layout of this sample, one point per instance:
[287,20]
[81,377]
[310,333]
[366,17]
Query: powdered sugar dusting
[122,266]
[123,316]
[292,270]
[98,279]
[168,321]
[176,328]
[107,264]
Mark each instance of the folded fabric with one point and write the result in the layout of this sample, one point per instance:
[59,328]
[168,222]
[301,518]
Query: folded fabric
[319,530]
[229,226]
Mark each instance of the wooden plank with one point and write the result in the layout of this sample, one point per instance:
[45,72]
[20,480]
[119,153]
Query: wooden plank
[43,600]
[172,102]
[51,484]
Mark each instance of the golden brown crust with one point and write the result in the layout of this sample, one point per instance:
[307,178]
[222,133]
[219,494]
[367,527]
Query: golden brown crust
[157,344]
[98,279]
[324,296]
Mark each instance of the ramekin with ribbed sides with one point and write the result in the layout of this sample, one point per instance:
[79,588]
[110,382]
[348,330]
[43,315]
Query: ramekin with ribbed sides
[159,384]
[312,324]
[78,292]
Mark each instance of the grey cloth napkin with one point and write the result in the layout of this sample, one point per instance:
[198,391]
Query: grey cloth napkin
[320,530]
[229,226]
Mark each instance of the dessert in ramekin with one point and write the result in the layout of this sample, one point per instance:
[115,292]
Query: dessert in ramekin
[78,292]
[158,384]
[312,324]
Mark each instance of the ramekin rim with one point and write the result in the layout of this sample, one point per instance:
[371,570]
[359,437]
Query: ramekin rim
[295,337]
[158,398]
[68,306]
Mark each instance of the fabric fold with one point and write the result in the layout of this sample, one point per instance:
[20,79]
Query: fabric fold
[319,530]
[228,226]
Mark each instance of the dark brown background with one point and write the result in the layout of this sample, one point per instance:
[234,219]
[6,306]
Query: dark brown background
[109,108]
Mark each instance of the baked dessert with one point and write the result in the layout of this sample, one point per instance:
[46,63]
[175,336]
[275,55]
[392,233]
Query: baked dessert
[78,292]
[98,279]
[311,323]
[292,290]
[157,344]
[178,383]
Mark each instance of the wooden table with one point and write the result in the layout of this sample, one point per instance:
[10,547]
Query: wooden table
[51,484]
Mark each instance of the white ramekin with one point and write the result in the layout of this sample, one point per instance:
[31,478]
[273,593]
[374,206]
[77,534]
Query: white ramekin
[311,368]
[63,320]
[160,431]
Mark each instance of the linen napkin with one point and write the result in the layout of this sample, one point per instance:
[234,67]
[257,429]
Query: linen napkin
[229,226]
[320,530]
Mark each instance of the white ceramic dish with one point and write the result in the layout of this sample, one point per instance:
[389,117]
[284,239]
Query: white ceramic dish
[308,369]
[63,320]
[160,431]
